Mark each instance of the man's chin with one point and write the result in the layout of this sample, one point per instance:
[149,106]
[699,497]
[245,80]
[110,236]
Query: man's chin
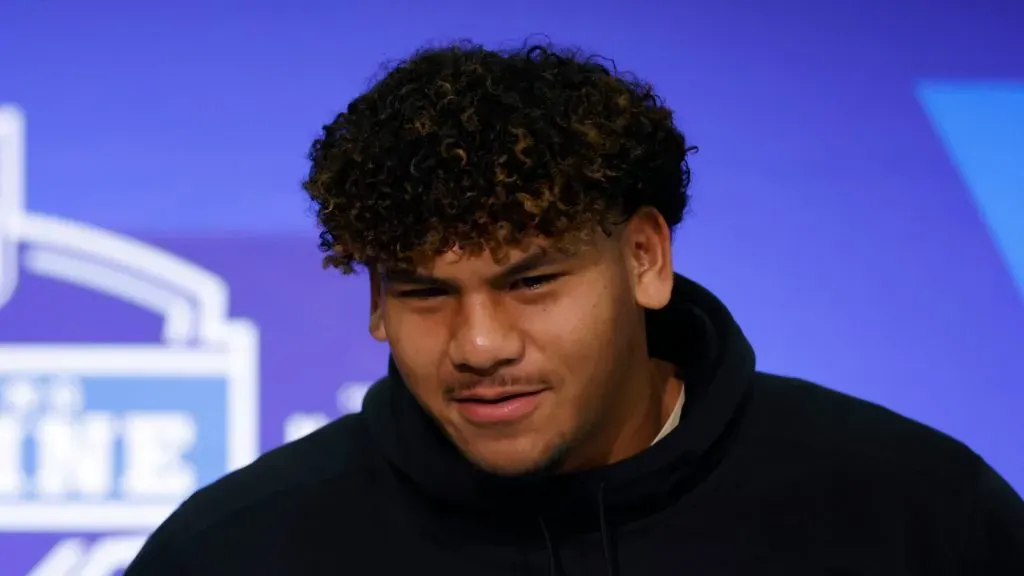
[517,464]
[510,469]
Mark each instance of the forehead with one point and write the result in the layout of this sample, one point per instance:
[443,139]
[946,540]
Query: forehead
[507,260]
[493,258]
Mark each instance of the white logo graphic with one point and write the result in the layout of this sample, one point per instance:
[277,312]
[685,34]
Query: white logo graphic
[105,437]
[348,399]
[75,556]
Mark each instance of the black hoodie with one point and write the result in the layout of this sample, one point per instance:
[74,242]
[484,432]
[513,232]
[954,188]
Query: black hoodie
[763,475]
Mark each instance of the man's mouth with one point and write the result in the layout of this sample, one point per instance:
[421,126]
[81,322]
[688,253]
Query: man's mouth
[498,407]
[495,398]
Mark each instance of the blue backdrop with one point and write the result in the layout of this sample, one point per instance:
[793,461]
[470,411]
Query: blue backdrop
[858,203]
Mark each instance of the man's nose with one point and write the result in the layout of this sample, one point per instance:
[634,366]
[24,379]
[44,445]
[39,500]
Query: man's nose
[485,338]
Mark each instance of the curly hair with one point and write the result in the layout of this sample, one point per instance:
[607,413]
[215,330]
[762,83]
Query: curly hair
[483,149]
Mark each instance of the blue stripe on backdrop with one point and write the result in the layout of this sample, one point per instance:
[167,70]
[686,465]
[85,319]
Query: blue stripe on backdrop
[982,125]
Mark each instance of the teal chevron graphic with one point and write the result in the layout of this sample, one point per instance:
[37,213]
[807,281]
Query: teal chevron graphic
[982,127]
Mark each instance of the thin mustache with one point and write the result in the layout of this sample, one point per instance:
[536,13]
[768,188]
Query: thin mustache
[498,381]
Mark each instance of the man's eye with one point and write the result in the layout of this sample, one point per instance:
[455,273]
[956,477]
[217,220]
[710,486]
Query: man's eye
[533,282]
[421,293]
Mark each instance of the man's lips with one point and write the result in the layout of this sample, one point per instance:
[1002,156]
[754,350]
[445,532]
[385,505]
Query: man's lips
[498,407]
[495,395]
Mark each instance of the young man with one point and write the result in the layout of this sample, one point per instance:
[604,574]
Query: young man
[558,401]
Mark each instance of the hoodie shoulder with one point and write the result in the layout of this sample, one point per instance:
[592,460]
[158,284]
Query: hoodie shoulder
[883,461]
[820,419]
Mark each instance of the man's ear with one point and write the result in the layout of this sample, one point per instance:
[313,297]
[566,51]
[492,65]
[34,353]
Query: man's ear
[377,330]
[647,247]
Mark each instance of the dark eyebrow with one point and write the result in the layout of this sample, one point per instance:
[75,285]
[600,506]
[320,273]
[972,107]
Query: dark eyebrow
[529,263]
[525,265]
[408,276]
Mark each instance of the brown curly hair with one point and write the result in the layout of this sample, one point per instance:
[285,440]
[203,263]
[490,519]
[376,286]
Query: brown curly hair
[483,149]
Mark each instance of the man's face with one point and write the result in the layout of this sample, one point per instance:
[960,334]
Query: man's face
[523,362]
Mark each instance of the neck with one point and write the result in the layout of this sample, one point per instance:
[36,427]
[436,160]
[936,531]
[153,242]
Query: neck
[639,419]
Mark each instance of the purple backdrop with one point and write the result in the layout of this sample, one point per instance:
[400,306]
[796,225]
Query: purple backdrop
[857,203]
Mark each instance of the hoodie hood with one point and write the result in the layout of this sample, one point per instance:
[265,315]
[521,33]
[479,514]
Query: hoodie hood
[694,331]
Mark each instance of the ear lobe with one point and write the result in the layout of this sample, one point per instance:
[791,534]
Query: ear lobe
[377,329]
[649,252]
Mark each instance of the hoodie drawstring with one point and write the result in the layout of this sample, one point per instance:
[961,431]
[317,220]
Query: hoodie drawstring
[606,540]
[552,570]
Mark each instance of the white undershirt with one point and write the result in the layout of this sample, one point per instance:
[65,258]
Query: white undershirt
[673,418]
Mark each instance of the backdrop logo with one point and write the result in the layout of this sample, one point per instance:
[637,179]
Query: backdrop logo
[104,437]
[982,127]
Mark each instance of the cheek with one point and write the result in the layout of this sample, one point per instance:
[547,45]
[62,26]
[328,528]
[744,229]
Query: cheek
[418,349]
[574,333]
